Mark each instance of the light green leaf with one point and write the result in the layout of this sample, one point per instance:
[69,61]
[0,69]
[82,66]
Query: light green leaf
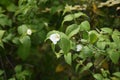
[68,58]
[98,76]
[117,74]
[24,47]
[77,15]
[68,17]
[22,29]
[84,26]
[72,30]
[1,33]
[101,45]
[114,55]
[106,30]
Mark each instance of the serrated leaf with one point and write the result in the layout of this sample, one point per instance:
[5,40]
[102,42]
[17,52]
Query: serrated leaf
[84,26]
[72,30]
[68,58]
[24,47]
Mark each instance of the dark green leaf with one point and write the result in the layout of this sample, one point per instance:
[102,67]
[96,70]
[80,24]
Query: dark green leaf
[24,47]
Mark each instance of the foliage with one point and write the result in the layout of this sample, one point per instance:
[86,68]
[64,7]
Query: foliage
[84,35]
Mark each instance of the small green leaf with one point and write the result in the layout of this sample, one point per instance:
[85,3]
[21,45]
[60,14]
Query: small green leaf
[68,58]
[22,29]
[77,15]
[84,26]
[117,74]
[18,68]
[72,30]
[93,37]
[1,33]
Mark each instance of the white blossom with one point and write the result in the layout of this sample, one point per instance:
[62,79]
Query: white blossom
[29,31]
[78,47]
[55,38]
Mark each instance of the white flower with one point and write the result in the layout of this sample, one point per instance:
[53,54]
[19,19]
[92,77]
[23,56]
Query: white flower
[79,47]
[55,38]
[29,31]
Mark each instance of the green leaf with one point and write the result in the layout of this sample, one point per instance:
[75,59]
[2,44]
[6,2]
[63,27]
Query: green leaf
[114,55]
[107,30]
[1,72]
[72,30]
[98,76]
[68,58]
[22,29]
[65,44]
[77,15]
[1,33]
[101,45]
[68,17]
[4,20]
[117,74]
[116,37]
[24,47]
[93,37]
[18,68]
[86,67]
[84,26]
